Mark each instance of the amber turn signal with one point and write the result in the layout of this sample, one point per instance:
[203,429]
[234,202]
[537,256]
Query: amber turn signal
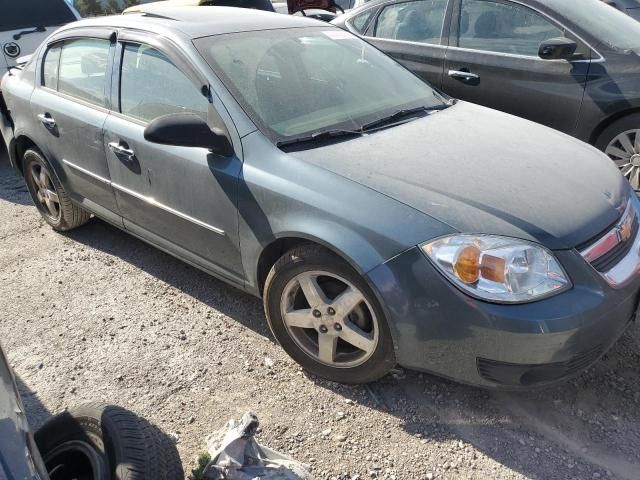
[470,265]
[467,264]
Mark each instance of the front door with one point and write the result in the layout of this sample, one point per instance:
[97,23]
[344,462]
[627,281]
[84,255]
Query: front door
[493,60]
[412,33]
[71,105]
[181,199]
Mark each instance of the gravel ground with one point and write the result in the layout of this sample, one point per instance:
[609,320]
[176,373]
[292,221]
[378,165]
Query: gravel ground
[98,315]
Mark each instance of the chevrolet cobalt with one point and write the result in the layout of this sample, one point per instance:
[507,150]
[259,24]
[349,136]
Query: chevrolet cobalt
[381,222]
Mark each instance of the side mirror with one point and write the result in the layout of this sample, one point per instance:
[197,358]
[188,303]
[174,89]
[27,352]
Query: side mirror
[557,49]
[188,130]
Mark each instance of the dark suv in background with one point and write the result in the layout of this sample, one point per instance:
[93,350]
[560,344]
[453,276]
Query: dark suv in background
[572,65]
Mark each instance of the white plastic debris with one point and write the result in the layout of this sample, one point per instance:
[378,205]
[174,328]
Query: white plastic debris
[235,455]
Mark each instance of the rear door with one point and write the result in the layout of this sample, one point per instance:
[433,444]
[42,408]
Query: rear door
[24,24]
[181,199]
[493,60]
[71,104]
[415,33]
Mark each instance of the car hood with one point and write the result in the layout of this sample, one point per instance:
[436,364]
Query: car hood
[483,171]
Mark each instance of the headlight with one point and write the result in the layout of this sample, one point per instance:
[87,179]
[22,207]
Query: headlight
[498,269]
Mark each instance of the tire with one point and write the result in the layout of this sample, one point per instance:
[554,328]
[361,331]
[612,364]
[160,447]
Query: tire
[626,157]
[126,446]
[284,295]
[67,215]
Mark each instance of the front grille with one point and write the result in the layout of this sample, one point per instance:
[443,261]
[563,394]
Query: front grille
[610,259]
[614,244]
[515,374]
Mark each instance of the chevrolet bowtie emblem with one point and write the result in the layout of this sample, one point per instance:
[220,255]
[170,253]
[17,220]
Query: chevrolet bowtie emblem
[624,232]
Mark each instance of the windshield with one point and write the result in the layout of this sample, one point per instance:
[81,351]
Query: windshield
[296,82]
[33,13]
[607,24]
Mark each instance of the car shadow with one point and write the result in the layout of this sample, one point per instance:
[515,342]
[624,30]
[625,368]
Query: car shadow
[12,186]
[36,411]
[584,428]
[216,294]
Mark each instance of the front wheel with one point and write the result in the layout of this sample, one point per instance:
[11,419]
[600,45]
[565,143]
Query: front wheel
[621,142]
[326,317]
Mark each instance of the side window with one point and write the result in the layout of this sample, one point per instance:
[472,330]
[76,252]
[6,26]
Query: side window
[419,21]
[50,67]
[360,21]
[503,28]
[83,69]
[152,86]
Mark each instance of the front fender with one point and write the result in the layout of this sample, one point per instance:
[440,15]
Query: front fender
[284,197]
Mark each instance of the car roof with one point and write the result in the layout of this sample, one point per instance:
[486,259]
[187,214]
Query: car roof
[202,21]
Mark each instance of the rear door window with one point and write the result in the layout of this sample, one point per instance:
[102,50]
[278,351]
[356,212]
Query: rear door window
[419,21]
[83,69]
[152,86]
[18,14]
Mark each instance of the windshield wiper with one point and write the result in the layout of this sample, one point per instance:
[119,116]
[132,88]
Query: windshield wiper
[318,136]
[37,29]
[400,114]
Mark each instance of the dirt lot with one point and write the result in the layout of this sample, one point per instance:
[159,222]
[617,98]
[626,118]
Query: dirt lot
[98,315]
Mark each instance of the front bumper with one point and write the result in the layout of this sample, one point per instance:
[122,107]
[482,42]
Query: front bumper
[439,329]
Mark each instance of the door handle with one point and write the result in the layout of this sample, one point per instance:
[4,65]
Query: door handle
[122,151]
[462,75]
[47,120]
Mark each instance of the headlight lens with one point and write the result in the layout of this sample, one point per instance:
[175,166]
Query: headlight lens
[498,269]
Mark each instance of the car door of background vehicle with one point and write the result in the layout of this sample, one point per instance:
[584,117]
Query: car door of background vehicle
[71,103]
[415,33]
[493,60]
[181,199]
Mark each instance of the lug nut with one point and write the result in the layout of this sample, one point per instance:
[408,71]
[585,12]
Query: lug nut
[338,327]
[323,329]
[331,311]
[317,313]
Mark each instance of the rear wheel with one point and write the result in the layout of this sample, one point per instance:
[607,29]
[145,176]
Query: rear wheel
[325,316]
[621,142]
[49,196]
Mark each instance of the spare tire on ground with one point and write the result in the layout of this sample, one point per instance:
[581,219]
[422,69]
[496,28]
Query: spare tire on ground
[106,442]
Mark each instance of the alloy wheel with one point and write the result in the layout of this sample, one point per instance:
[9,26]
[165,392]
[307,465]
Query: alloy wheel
[48,200]
[329,319]
[624,150]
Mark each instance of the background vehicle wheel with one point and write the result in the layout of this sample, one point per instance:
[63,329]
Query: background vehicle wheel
[325,316]
[49,196]
[621,142]
[96,442]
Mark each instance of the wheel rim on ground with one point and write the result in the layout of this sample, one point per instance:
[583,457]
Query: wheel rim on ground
[624,150]
[47,199]
[329,319]
[74,459]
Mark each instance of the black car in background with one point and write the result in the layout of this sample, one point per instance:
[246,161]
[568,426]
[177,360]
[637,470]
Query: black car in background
[573,65]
